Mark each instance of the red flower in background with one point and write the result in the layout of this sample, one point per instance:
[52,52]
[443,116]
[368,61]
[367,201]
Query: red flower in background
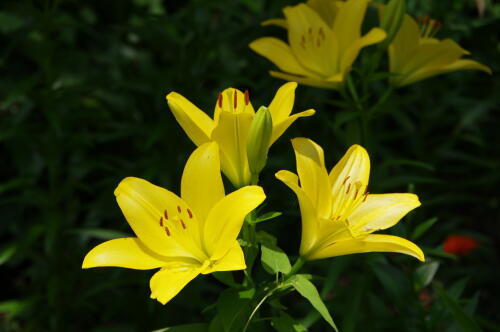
[459,244]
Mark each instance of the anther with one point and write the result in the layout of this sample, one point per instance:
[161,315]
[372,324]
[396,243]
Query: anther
[165,214]
[366,195]
[247,97]
[348,188]
[235,99]
[356,194]
[179,209]
[167,231]
[310,31]
[190,213]
[161,221]
[321,33]
[182,223]
[345,180]
[219,100]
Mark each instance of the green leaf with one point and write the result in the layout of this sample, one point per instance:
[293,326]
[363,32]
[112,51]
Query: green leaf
[197,327]
[309,291]
[266,216]
[285,323]
[232,308]
[466,322]
[425,274]
[423,227]
[274,260]
[7,253]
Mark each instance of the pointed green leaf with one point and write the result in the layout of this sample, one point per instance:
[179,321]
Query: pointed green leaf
[423,227]
[425,274]
[309,291]
[266,216]
[285,323]
[274,260]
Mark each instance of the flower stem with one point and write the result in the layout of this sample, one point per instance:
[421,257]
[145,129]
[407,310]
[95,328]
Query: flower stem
[296,266]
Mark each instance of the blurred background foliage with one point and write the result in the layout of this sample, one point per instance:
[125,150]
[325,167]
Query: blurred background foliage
[82,106]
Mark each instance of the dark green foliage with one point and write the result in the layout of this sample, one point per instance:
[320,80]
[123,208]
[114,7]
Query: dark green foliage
[82,90]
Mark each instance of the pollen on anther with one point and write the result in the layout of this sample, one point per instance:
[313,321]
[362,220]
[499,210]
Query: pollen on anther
[219,100]
[190,213]
[161,221]
[366,195]
[235,102]
[182,223]
[345,180]
[165,214]
[179,209]
[348,188]
[167,231]
[247,97]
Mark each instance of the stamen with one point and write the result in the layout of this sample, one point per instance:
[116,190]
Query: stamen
[165,214]
[182,223]
[303,42]
[235,104]
[179,209]
[345,180]
[321,33]
[219,100]
[247,97]
[348,188]
[167,231]
[366,195]
[161,221]
[310,31]
[190,213]
[356,194]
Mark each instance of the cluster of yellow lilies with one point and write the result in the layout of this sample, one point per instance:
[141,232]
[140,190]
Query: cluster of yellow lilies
[197,231]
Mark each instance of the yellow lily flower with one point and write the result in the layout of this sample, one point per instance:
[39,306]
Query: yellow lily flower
[324,40]
[338,214]
[233,116]
[415,54]
[182,236]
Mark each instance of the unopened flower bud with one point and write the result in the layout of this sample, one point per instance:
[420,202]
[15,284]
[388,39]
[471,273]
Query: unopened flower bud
[391,19]
[259,139]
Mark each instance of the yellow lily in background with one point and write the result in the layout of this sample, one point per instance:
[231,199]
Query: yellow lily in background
[233,116]
[182,236]
[415,54]
[324,40]
[338,214]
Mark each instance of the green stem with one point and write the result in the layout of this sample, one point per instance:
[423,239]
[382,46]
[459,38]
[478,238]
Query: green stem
[261,302]
[296,266]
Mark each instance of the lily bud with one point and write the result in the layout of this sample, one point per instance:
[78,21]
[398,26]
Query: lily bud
[391,19]
[259,139]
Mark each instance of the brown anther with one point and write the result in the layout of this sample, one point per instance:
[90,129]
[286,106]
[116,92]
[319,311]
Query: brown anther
[426,19]
[345,180]
[179,209]
[356,194]
[190,213]
[348,188]
[318,43]
[235,103]
[247,97]
[182,223]
[310,31]
[167,231]
[366,195]
[161,221]
[219,100]
[321,33]
[165,214]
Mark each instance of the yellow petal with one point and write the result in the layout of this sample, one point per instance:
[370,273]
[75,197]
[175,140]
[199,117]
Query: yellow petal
[374,36]
[311,40]
[313,175]
[277,22]
[225,220]
[462,64]
[280,54]
[234,260]
[382,211]
[327,9]
[404,44]
[354,167]
[125,252]
[282,103]
[372,243]
[280,127]
[347,25]
[307,211]
[231,135]
[319,83]
[197,125]
[155,215]
[201,184]
[169,281]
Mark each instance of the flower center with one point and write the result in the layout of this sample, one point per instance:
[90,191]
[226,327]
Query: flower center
[313,38]
[348,197]
[233,104]
[428,27]
[175,223]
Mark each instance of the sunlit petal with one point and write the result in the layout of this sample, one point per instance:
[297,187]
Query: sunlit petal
[234,260]
[347,25]
[201,184]
[374,36]
[354,167]
[197,125]
[282,103]
[280,127]
[311,81]
[169,281]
